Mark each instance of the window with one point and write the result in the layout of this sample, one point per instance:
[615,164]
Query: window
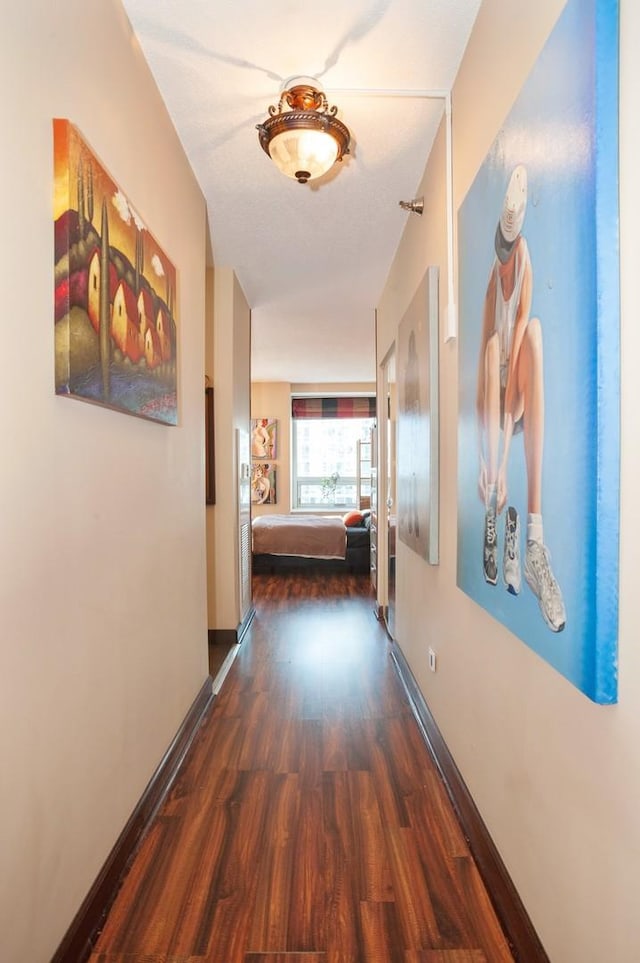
[331,456]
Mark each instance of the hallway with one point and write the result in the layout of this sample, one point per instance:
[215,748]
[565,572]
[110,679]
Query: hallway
[309,824]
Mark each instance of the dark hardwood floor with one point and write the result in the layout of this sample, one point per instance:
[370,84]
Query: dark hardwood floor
[218,652]
[309,823]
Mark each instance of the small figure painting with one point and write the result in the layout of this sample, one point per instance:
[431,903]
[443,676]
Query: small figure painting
[263,438]
[263,484]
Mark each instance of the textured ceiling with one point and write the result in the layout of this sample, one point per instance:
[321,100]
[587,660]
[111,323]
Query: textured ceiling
[312,259]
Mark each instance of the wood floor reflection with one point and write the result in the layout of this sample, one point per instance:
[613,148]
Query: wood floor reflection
[309,824]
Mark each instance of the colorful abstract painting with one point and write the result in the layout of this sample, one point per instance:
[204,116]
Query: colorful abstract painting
[538,442]
[115,289]
[263,483]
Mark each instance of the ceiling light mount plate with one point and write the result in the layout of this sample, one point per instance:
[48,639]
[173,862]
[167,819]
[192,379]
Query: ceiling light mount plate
[302,135]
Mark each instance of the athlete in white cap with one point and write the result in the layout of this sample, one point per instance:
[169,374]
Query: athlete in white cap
[510,396]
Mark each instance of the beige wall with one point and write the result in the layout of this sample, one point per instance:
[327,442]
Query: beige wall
[273,400]
[556,778]
[209,370]
[102,549]
[231,350]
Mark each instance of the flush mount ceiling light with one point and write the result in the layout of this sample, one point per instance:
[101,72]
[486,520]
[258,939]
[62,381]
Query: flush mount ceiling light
[303,136]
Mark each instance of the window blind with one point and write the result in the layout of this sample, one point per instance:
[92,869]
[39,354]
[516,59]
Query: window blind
[333,407]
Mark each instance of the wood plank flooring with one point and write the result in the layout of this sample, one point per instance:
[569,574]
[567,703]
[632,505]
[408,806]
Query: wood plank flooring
[309,824]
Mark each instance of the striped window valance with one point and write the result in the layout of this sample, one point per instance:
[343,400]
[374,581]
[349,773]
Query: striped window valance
[333,407]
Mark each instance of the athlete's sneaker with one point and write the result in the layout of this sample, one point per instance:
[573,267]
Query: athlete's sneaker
[511,557]
[542,582]
[490,560]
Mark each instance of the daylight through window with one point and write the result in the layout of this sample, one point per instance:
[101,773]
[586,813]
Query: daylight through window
[331,464]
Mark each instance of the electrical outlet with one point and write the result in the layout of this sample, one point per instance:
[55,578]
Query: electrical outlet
[432,659]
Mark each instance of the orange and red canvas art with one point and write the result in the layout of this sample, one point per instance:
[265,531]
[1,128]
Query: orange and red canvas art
[115,291]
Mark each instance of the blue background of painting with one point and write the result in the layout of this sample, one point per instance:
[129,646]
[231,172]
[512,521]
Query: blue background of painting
[552,130]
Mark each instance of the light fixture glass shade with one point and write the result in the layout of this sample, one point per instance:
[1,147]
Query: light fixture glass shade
[302,135]
[303,154]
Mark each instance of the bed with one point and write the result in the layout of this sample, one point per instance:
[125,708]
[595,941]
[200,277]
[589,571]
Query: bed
[303,541]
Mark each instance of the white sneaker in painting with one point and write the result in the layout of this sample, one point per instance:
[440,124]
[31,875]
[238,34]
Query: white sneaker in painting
[490,557]
[542,582]
[511,572]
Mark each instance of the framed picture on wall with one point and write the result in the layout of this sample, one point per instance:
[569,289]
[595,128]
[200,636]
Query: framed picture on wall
[115,291]
[263,483]
[264,438]
[539,368]
[418,421]
[209,449]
